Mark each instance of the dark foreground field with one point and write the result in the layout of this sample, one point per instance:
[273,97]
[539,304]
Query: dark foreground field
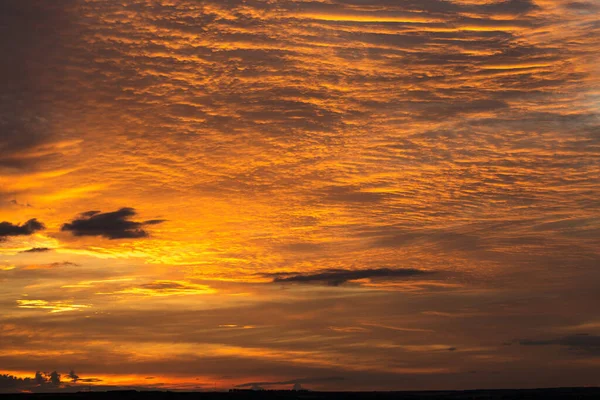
[563,393]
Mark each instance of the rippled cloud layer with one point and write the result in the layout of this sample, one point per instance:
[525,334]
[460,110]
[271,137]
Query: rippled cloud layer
[397,194]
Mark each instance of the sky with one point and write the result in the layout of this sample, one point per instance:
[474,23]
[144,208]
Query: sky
[343,194]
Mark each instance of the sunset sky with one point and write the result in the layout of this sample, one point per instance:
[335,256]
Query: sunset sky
[349,194]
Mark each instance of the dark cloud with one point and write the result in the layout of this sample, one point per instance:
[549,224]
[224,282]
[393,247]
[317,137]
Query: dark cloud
[73,376]
[37,250]
[293,382]
[90,380]
[40,382]
[111,225]
[167,285]
[28,228]
[44,382]
[154,222]
[64,264]
[584,343]
[9,383]
[337,277]
[510,7]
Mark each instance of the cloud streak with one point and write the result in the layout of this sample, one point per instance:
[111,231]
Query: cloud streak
[583,343]
[337,277]
[301,381]
[37,250]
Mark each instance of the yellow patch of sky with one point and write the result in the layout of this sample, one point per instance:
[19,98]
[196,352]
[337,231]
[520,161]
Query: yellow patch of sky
[52,306]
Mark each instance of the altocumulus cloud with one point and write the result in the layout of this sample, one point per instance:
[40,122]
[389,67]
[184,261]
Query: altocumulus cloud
[111,225]
[28,228]
[337,277]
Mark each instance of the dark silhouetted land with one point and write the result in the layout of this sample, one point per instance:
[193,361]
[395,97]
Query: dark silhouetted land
[546,394]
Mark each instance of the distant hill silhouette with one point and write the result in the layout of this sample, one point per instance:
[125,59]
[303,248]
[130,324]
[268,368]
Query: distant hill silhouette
[243,394]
